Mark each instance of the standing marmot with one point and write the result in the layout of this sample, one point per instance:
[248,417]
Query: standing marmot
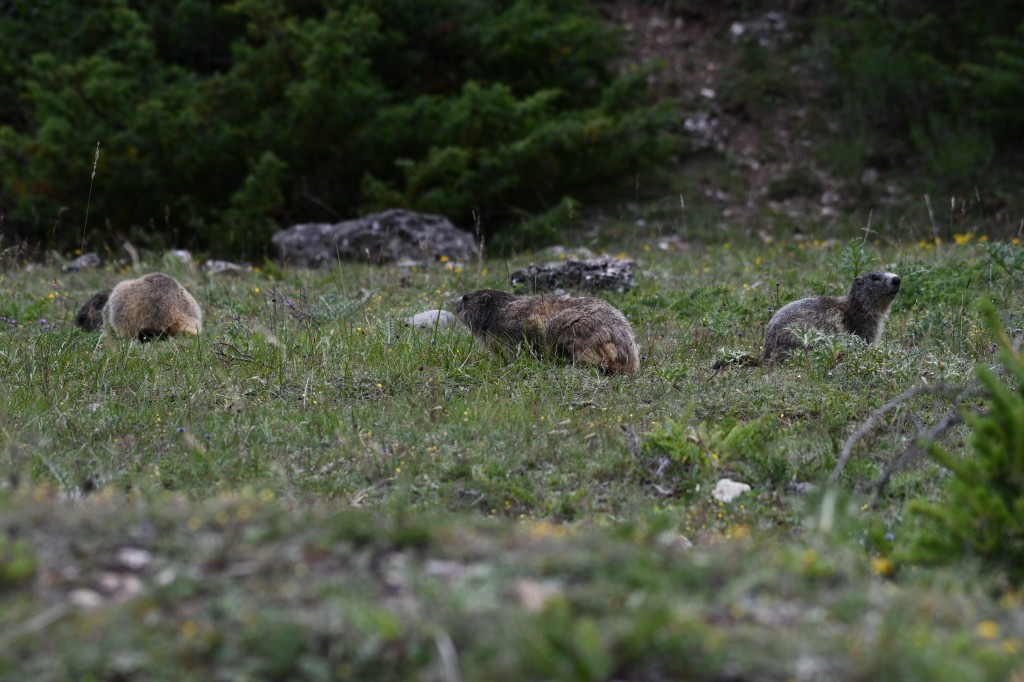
[862,312]
[586,331]
[90,315]
[153,306]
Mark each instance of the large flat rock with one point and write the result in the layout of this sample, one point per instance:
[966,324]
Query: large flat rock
[384,237]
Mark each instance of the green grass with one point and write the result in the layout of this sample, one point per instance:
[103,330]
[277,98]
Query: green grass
[325,493]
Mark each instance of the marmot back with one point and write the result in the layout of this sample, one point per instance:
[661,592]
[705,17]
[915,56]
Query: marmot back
[587,331]
[153,306]
[862,311]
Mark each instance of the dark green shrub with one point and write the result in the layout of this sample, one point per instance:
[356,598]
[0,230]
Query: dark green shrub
[998,80]
[760,83]
[220,122]
[905,91]
[983,511]
[798,182]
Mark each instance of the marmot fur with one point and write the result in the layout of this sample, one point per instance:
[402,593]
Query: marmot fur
[90,315]
[586,331]
[862,311]
[153,306]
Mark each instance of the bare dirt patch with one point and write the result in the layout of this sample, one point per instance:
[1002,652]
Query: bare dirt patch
[751,96]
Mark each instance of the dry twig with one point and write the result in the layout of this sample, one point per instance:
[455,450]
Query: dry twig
[898,401]
[917,448]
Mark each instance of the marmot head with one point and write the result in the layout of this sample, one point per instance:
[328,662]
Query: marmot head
[90,316]
[875,290]
[477,307]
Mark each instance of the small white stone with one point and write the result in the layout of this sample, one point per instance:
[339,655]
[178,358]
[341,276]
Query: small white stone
[727,490]
[133,559]
[120,585]
[86,599]
[183,255]
[217,267]
[428,319]
[166,577]
[534,595]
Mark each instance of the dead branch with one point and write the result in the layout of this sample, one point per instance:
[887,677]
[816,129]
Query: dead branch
[898,401]
[632,441]
[223,354]
[916,449]
[298,312]
[925,437]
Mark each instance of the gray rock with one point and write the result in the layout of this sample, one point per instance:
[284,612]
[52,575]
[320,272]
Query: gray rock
[769,30]
[183,256]
[801,487]
[219,267]
[705,132]
[442,319]
[392,235]
[86,260]
[593,274]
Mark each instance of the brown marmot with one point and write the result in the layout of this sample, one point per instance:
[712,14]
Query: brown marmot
[90,315]
[586,331]
[150,307]
[862,311]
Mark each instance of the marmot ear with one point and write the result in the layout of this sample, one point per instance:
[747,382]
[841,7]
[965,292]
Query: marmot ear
[486,298]
[858,280]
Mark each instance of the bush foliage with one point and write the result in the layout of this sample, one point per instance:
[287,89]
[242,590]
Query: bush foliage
[219,122]
[938,82]
[983,513]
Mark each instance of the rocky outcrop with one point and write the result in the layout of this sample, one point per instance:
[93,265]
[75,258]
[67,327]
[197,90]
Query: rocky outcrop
[384,237]
[592,274]
[83,262]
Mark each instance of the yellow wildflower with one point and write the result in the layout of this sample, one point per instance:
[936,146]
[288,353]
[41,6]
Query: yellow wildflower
[881,566]
[987,629]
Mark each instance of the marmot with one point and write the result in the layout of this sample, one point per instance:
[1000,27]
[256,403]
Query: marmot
[862,311]
[90,315]
[586,331]
[153,306]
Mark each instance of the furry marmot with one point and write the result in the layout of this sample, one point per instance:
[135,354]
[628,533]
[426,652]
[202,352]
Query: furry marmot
[586,331]
[90,315]
[150,307]
[862,311]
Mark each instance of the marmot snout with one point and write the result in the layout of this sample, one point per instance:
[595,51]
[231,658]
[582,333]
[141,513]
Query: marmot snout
[586,331]
[862,311]
[153,306]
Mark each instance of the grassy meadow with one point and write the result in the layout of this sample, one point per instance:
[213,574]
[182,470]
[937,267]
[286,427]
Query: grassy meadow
[313,490]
